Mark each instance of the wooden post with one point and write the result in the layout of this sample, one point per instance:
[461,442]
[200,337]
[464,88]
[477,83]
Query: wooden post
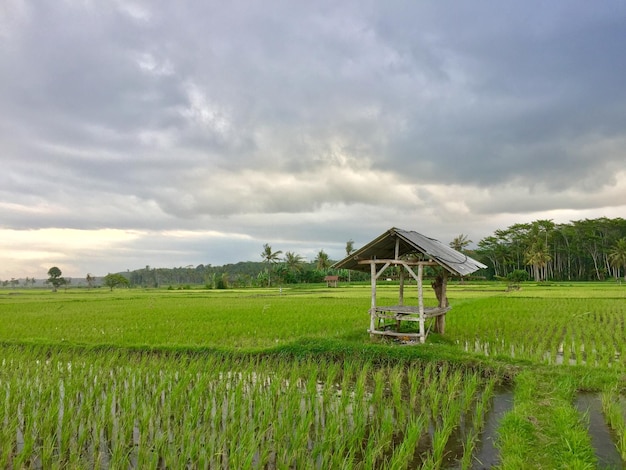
[440,285]
[396,256]
[420,302]
[440,322]
[401,293]
[373,305]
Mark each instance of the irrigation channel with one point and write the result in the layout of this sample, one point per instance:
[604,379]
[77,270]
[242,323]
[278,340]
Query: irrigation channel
[603,438]
[486,455]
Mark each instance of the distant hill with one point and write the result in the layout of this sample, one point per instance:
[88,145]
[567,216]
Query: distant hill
[241,274]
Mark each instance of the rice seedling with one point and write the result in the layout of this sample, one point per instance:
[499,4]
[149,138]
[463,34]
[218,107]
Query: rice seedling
[404,453]
[126,410]
[166,383]
[531,324]
[538,328]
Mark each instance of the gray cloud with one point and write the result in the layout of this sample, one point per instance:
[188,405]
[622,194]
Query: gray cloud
[303,121]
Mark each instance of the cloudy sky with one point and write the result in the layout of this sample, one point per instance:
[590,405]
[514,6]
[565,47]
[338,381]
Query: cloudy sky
[174,133]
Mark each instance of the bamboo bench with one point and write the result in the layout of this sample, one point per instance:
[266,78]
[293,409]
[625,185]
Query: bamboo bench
[401,313]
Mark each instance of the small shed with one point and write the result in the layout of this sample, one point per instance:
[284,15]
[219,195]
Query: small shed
[331,281]
[410,252]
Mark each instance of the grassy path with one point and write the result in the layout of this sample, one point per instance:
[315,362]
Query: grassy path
[544,429]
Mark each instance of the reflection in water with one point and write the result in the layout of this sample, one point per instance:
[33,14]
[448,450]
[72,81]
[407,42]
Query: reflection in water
[602,438]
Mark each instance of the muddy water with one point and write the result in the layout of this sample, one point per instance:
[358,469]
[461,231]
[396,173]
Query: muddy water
[602,439]
[486,455]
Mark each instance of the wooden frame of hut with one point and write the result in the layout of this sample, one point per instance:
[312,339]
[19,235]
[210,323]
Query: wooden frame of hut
[410,252]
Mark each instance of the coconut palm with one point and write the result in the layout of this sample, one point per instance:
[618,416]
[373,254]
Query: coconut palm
[349,251]
[293,261]
[322,261]
[349,247]
[617,256]
[460,242]
[538,257]
[270,257]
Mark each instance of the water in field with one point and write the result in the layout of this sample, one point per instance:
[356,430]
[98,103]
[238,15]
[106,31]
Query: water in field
[561,354]
[602,439]
[486,454]
[275,414]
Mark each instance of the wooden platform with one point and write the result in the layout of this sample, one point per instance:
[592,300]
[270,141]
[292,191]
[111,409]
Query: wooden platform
[400,313]
[407,312]
[395,333]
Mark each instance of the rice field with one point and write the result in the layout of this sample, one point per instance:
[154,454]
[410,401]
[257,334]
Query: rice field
[552,331]
[112,409]
[290,379]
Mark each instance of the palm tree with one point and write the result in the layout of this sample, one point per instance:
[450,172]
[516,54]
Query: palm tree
[349,247]
[322,261]
[293,261]
[270,257]
[617,256]
[349,251]
[538,257]
[460,242]
[281,274]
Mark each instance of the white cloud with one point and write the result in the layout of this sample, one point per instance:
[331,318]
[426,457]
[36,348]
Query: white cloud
[150,64]
[133,10]
[44,248]
[200,111]
[13,14]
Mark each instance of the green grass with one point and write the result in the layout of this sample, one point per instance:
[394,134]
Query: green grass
[231,319]
[546,340]
[580,324]
[544,430]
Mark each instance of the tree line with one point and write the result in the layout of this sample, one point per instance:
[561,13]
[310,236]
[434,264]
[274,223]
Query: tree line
[241,274]
[274,268]
[581,250]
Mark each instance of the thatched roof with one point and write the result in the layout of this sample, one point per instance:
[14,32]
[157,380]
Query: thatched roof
[409,242]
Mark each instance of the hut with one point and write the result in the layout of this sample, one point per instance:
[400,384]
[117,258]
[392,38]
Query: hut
[409,253]
[331,281]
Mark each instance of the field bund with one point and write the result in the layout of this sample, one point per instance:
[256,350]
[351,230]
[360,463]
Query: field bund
[269,378]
